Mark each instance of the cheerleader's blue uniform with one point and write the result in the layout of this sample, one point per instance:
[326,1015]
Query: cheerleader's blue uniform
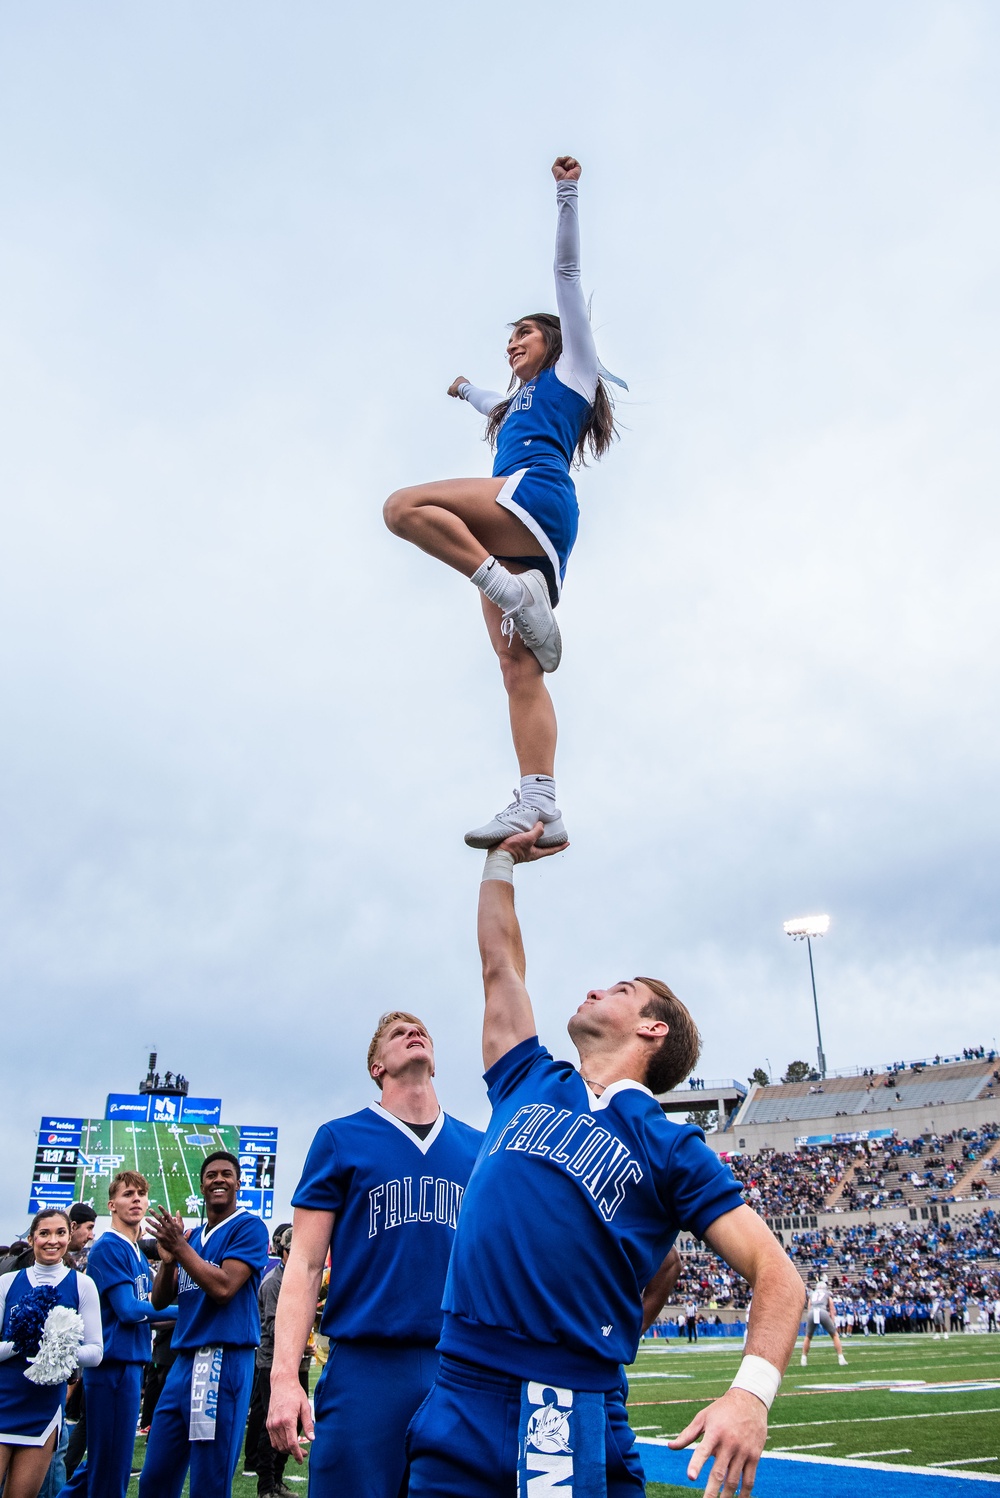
[29,1413]
[546,416]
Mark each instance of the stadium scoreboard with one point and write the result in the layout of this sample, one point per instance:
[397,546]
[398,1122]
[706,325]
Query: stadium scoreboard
[163,1137]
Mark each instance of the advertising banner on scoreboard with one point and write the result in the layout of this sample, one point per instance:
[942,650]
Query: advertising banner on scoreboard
[126,1105]
[203,1110]
[162,1107]
[76,1158]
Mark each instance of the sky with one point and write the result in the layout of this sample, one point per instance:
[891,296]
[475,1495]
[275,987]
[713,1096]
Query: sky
[247,247]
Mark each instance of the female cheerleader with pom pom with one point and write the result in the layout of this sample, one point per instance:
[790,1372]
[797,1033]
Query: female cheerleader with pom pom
[512,534]
[50,1323]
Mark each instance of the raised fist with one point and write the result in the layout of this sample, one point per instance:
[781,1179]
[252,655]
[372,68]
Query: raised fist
[566,169]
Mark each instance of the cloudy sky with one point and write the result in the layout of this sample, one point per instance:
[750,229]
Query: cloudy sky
[247,247]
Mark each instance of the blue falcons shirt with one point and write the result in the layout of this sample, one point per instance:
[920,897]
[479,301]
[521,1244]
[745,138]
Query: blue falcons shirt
[571,1209]
[114,1260]
[397,1200]
[201,1321]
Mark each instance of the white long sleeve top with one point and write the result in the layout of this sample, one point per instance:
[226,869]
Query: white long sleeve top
[578,365]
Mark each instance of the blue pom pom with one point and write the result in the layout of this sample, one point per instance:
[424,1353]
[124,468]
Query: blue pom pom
[27,1319]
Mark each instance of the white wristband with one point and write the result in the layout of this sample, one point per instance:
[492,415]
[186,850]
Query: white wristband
[499,865]
[759,1377]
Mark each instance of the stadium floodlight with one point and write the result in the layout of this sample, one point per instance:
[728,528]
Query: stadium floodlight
[808,925]
[804,928]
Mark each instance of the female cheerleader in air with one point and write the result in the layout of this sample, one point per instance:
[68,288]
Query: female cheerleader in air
[31,1413]
[512,534]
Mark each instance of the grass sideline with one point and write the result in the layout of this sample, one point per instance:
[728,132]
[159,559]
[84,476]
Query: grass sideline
[669,1383]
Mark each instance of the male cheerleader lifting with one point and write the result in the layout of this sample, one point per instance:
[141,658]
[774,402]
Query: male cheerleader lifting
[381,1192]
[581,1187]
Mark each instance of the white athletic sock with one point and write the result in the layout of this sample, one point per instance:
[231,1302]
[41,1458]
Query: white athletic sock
[540,791]
[501,587]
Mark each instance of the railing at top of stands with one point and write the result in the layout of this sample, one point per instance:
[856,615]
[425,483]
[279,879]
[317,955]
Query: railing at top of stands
[706,1086]
[927,1063]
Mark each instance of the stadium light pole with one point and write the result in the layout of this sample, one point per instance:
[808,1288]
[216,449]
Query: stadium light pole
[804,928]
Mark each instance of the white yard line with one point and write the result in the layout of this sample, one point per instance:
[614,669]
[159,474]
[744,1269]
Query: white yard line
[633,1376]
[880,1419]
[135,1151]
[812,1446]
[83,1183]
[965,1461]
[163,1174]
[853,1456]
[183,1154]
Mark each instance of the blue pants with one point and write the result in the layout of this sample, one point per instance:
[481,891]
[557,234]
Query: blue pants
[170,1452]
[113,1392]
[366,1396]
[463,1441]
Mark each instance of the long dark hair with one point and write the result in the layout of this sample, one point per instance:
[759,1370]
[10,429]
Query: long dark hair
[599,430]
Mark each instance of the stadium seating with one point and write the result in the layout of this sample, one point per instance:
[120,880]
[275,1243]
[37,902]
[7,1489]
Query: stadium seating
[855,1096]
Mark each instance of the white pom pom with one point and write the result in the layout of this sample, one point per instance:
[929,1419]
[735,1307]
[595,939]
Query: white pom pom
[57,1352]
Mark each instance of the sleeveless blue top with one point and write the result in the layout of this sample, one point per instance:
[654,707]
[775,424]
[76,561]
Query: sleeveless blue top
[542,426]
[26,1409]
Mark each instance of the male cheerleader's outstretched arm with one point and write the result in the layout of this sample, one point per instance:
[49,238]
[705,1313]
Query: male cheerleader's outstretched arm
[733,1429]
[300,1286]
[654,1297]
[508,1018]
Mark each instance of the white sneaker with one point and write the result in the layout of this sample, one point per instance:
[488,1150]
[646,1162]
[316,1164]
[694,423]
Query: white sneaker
[842,1361]
[535,622]
[519,816]
[804,1360]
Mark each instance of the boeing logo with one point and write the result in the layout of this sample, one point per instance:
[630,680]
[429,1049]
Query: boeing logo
[128,1108]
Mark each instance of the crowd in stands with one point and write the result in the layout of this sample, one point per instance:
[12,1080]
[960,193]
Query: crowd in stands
[969,1053]
[779,1181]
[935,1267]
[886,1172]
[933,1165]
[917,1277]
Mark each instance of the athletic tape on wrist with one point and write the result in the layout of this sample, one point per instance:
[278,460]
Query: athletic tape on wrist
[499,865]
[759,1377]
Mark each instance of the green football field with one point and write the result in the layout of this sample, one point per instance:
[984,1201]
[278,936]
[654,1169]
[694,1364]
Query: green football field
[160,1152]
[957,1430]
